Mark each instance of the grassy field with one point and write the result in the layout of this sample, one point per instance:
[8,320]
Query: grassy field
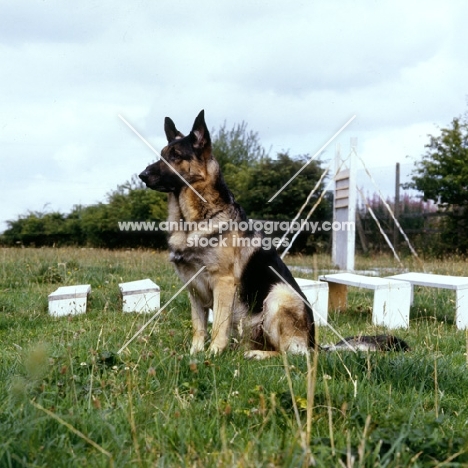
[67,399]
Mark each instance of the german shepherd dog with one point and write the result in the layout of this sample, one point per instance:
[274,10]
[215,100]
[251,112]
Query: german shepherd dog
[251,291]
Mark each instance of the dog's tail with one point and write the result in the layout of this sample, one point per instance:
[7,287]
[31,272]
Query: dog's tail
[369,343]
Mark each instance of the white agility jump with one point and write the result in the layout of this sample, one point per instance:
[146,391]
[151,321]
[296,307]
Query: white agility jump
[392,298]
[457,283]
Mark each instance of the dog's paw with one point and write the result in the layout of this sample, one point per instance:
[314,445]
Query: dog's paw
[254,355]
[197,347]
[216,349]
[258,355]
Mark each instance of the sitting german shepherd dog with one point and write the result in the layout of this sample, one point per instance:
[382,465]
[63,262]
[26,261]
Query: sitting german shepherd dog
[251,291]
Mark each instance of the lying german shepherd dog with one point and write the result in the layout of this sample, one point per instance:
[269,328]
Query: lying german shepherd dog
[251,291]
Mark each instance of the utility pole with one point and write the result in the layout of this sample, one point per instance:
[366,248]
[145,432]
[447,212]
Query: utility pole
[396,208]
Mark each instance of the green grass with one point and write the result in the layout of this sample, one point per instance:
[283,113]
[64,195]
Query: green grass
[67,400]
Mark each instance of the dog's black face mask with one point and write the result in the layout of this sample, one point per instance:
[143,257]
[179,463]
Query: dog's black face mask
[159,176]
[183,158]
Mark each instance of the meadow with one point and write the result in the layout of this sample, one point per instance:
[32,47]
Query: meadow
[68,400]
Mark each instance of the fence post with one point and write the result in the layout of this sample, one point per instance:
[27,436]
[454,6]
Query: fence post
[396,208]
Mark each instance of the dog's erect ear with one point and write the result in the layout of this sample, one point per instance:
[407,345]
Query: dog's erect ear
[200,135]
[171,131]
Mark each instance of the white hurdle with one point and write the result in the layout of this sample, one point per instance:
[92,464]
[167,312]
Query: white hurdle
[392,298]
[457,283]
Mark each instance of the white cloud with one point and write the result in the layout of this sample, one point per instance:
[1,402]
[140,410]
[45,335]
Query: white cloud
[295,72]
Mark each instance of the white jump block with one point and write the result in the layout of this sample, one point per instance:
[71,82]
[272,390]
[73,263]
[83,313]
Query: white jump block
[392,298]
[457,283]
[316,293]
[140,296]
[69,300]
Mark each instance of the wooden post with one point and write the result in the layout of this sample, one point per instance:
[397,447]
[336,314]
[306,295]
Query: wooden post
[396,209]
[337,297]
[361,233]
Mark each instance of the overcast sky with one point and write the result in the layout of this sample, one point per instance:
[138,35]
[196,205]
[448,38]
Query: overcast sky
[294,71]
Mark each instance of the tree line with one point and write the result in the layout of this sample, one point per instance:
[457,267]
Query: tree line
[441,176]
[252,175]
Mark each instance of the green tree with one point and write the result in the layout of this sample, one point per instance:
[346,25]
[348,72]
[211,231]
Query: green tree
[128,202]
[267,176]
[236,151]
[442,176]
[250,173]
[133,201]
[236,146]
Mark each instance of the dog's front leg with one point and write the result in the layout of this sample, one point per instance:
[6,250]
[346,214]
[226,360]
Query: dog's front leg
[199,325]
[223,299]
